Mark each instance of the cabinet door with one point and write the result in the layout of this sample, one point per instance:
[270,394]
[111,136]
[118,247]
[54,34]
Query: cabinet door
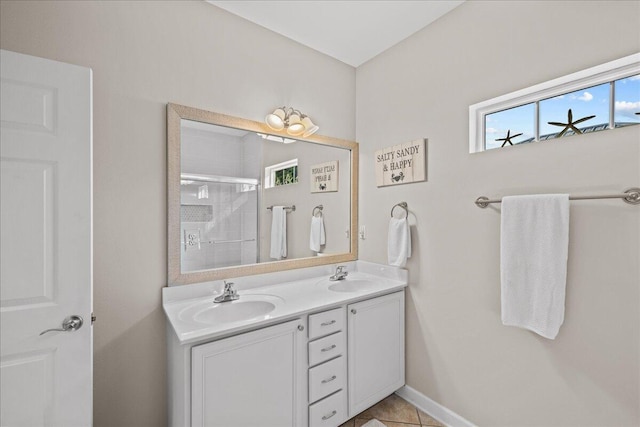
[254,379]
[375,350]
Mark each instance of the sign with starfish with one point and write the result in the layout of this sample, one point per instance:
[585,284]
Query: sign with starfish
[570,124]
[508,138]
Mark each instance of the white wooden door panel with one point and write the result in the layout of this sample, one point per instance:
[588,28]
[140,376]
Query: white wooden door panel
[254,379]
[45,241]
[375,350]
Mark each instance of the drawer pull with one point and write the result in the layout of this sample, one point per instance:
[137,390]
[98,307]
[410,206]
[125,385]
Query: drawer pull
[331,347]
[328,380]
[331,322]
[326,417]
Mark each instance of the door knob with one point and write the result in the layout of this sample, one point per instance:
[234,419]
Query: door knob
[70,324]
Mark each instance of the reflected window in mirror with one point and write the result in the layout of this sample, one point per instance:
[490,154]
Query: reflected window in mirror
[284,173]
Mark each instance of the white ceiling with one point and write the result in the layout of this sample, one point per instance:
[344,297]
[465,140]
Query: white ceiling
[350,31]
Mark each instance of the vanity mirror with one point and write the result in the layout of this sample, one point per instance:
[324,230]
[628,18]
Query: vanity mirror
[242,197]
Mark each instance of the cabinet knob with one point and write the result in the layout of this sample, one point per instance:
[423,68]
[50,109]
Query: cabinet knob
[300,328]
[353,311]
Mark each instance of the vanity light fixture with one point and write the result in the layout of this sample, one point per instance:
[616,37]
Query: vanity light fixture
[295,122]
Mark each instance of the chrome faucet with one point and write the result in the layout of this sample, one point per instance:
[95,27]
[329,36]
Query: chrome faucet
[229,294]
[341,273]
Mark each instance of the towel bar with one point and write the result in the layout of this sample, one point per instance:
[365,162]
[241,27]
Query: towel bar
[292,208]
[631,196]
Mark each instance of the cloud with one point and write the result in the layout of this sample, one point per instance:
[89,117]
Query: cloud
[636,77]
[627,106]
[492,130]
[586,97]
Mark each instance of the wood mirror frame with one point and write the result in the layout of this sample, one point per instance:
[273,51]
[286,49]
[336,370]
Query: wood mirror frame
[175,113]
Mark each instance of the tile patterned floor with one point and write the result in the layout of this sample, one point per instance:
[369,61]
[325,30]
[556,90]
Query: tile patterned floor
[394,412]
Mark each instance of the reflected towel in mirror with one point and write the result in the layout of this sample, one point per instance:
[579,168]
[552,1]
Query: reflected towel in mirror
[278,233]
[317,235]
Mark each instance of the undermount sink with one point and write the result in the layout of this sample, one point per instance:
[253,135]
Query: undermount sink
[248,307]
[349,285]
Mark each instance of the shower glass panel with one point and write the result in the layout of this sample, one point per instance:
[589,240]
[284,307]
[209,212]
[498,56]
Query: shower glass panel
[219,217]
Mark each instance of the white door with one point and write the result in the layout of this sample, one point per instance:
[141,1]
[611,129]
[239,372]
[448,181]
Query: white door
[46,247]
[375,349]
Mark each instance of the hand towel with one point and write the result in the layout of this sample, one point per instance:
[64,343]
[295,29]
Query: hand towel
[317,235]
[399,242]
[278,233]
[533,261]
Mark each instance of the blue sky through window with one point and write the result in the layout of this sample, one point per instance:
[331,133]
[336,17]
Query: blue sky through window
[627,102]
[593,101]
[517,120]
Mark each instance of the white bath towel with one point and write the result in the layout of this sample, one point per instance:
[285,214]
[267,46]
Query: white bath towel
[399,242]
[278,233]
[317,235]
[533,261]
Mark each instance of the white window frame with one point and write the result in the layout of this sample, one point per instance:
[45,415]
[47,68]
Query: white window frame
[270,172]
[608,72]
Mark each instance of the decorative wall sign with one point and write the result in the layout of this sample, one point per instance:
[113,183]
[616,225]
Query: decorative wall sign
[401,164]
[324,177]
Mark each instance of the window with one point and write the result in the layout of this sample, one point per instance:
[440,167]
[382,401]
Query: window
[582,111]
[627,101]
[509,127]
[600,98]
[281,174]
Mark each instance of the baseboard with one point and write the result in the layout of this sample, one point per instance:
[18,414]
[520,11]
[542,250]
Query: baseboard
[433,408]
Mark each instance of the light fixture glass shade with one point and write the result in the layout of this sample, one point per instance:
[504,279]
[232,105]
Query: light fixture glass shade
[275,120]
[295,125]
[309,127]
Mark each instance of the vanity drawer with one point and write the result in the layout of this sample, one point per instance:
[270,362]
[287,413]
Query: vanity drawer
[326,323]
[329,412]
[327,378]
[327,348]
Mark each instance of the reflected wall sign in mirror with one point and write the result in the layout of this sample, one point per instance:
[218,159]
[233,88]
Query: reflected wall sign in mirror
[225,176]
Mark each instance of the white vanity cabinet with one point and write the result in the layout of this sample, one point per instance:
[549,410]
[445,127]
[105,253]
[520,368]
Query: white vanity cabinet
[376,350]
[331,356]
[257,378]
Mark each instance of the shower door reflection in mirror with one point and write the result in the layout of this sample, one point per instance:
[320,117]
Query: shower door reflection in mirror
[219,192]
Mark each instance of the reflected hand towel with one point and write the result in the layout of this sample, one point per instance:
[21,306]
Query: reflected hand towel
[317,235]
[278,233]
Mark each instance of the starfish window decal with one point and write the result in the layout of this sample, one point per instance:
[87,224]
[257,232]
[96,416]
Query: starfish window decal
[570,124]
[508,138]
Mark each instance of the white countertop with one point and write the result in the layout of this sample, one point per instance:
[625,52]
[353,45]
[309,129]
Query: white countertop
[292,297]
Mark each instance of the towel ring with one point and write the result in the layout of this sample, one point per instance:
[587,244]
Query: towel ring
[404,206]
[319,208]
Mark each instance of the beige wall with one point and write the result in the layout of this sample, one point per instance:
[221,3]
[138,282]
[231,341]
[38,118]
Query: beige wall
[143,55]
[458,353]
